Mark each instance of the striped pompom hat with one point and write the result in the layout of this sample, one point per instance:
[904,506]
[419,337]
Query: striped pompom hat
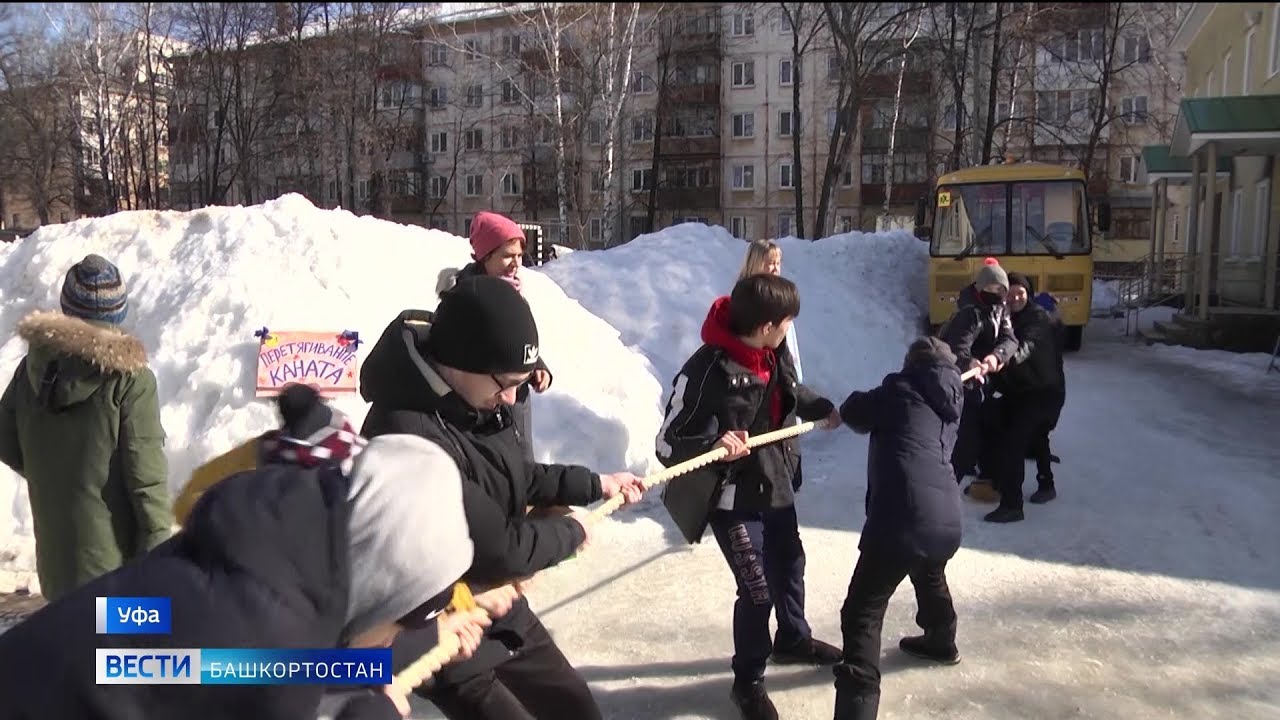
[94,290]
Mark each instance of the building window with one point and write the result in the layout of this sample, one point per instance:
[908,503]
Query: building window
[786,177]
[439,186]
[510,184]
[475,96]
[639,225]
[744,177]
[595,230]
[439,142]
[786,224]
[1237,222]
[1261,218]
[439,97]
[844,223]
[740,227]
[510,93]
[833,66]
[744,74]
[641,83]
[1137,49]
[597,181]
[642,129]
[786,123]
[1134,109]
[439,54]
[475,139]
[641,179]
[744,24]
[595,132]
[1273,57]
[1129,169]
[744,125]
[786,72]
[511,45]
[511,138]
[846,176]
[475,187]
[471,48]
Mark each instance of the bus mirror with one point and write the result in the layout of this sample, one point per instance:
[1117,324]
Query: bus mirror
[1104,216]
[920,212]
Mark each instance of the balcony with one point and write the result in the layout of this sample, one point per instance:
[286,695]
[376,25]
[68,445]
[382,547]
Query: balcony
[903,193]
[695,41]
[914,83]
[689,147]
[406,204]
[688,198]
[909,139]
[701,94]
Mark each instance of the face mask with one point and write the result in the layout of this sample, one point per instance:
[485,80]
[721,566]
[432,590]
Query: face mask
[990,298]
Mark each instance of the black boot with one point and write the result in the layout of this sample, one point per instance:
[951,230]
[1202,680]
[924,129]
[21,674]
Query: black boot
[854,707]
[1045,492]
[1004,514]
[932,647]
[753,702]
[808,652]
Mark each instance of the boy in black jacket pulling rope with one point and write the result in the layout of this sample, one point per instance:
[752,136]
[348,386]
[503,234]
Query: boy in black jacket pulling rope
[742,382]
[913,519]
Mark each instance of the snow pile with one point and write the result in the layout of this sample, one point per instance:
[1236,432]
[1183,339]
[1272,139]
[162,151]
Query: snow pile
[862,297]
[202,282]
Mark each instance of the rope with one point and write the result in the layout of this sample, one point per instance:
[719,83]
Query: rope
[437,657]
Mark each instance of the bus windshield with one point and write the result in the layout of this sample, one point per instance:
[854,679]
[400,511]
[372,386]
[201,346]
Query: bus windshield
[1020,218]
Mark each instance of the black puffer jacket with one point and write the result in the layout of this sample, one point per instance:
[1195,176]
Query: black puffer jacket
[262,562]
[721,388]
[913,504]
[409,397]
[1036,367]
[978,330]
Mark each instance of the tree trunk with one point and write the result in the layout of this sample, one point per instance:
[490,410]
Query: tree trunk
[797,160]
[993,85]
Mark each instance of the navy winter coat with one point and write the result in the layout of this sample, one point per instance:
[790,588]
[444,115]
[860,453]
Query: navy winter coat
[913,502]
[266,565]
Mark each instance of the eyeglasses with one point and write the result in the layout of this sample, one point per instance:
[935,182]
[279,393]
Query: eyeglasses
[503,387]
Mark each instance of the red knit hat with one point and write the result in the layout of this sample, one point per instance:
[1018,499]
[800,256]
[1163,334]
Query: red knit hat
[990,261]
[490,231]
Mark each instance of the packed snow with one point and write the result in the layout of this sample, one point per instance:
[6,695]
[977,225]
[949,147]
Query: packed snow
[1149,589]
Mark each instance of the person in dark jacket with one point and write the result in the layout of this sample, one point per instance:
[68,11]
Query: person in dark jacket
[451,376]
[742,382]
[80,421]
[968,295]
[1032,388]
[1040,450]
[913,524]
[310,550]
[498,246]
[980,336]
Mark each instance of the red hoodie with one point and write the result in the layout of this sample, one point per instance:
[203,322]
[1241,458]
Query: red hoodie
[761,361]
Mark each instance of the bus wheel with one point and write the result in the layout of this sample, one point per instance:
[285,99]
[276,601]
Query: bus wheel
[1075,337]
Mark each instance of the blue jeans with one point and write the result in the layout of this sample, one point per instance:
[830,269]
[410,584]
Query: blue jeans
[764,552]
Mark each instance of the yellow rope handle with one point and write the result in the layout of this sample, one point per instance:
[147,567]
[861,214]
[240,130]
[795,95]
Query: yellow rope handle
[437,657]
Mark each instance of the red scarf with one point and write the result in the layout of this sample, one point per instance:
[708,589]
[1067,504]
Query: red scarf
[760,361]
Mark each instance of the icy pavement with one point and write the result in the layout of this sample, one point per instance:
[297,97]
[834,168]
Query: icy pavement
[1149,589]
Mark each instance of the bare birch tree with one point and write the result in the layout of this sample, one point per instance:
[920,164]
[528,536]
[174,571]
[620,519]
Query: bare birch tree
[616,29]
[805,22]
[897,113]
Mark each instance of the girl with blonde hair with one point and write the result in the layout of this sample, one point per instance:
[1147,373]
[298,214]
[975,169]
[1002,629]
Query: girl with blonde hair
[765,257]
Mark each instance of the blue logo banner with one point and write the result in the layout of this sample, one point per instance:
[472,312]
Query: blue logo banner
[133,616]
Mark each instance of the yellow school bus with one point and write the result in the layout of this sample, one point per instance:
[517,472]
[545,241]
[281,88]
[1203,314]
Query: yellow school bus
[1033,217]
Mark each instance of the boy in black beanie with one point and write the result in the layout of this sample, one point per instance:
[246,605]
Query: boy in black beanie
[742,382]
[913,519]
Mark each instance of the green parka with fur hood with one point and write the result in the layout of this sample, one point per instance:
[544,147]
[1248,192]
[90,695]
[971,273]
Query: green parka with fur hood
[80,421]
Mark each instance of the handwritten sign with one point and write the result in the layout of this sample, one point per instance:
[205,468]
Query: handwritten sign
[326,360]
[944,199]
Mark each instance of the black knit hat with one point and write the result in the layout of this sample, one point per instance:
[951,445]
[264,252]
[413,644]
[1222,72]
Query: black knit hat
[483,325]
[1017,278]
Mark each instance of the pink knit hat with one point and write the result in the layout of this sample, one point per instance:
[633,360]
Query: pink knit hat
[490,231]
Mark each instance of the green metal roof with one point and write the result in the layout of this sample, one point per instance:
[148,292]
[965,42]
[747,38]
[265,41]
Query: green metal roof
[1157,160]
[1239,114]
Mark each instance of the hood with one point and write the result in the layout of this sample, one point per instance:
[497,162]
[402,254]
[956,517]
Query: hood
[938,384]
[400,482]
[968,296]
[715,331]
[285,528]
[68,358]
[396,375]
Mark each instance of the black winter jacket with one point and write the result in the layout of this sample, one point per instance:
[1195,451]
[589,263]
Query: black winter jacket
[714,393]
[409,397]
[1036,367]
[978,330]
[262,562]
[913,504]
